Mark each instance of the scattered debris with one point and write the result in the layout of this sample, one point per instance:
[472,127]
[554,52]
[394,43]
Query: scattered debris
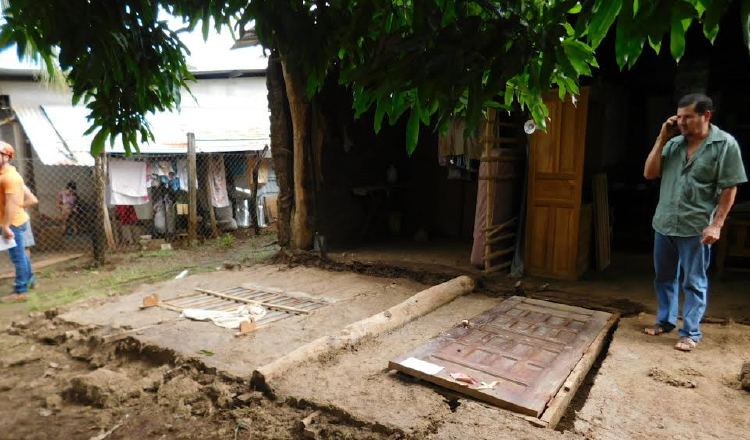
[150,301]
[305,425]
[44,412]
[465,378]
[660,375]
[467,324]
[106,434]
[205,352]
[224,319]
[486,385]
[745,376]
[232,265]
[182,274]
[19,359]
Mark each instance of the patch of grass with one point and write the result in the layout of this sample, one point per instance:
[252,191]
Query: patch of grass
[226,241]
[68,283]
[159,253]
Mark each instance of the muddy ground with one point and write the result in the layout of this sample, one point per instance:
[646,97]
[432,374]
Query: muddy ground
[183,380]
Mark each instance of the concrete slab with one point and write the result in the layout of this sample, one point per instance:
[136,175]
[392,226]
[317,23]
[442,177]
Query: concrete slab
[353,297]
[357,381]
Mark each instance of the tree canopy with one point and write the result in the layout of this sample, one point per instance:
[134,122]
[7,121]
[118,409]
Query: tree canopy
[430,59]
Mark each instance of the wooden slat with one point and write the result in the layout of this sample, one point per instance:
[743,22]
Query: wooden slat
[500,253]
[499,267]
[601,221]
[559,404]
[249,301]
[500,178]
[502,237]
[494,229]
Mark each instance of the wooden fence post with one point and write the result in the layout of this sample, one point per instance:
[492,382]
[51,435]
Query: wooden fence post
[192,191]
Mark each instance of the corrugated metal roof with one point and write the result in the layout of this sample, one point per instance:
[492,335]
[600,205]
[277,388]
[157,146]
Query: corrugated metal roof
[47,143]
[216,130]
[227,115]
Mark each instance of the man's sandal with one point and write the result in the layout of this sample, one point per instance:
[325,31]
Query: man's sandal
[655,330]
[685,344]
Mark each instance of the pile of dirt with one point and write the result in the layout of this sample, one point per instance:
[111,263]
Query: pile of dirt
[102,388]
[669,378]
[63,381]
[421,273]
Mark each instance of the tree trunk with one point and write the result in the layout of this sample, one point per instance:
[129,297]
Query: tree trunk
[281,147]
[99,236]
[299,107]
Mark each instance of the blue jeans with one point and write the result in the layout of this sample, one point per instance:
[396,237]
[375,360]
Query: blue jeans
[20,260]
[686,256]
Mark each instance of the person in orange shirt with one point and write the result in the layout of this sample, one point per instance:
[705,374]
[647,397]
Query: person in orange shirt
[15,221]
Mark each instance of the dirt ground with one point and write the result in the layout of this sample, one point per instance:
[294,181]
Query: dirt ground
[100,369]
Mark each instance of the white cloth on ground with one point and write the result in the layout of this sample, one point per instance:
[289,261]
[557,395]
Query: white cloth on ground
[226,319]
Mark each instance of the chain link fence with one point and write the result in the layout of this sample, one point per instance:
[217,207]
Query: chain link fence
[147,200]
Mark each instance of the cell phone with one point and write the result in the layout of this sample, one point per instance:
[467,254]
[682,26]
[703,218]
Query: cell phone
[673,128]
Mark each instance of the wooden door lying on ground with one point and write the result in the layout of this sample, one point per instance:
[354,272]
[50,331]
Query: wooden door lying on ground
[554,190]
[528,347]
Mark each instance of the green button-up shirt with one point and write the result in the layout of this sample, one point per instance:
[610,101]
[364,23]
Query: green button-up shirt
[690,189]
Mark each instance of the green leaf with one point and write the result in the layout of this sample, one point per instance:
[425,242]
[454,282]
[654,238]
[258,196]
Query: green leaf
[412,132]
[655,45]
[605,13]
[680,22]
[97,145]
[579,54]
[636,7]
[379,113]
[712,17]
[575,9]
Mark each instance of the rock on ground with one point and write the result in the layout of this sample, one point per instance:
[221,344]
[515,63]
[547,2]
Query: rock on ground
[745,376]
[102,388]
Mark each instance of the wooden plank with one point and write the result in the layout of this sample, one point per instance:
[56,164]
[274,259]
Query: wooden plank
[498,267]
[249,301]
[601,221]
[413,307]
[529,350]
[559,404]
[494,229]
[499,253]
[502,238]
[192,175]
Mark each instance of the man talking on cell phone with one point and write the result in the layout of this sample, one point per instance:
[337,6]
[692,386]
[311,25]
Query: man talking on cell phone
[700,167]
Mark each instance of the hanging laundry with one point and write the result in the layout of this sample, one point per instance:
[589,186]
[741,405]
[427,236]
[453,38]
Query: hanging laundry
[218,180]
[128,182]
[455,143]
[182,175]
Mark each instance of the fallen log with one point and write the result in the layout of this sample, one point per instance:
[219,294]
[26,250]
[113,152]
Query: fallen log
[415,306]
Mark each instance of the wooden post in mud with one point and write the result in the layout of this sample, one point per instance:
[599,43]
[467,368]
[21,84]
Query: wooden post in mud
[415,306]
[192,191]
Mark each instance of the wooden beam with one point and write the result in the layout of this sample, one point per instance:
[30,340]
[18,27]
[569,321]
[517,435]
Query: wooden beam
[559,404]
[192,190]
[499,253]
[499,267]
[250,301]
[502,237]
[418,305]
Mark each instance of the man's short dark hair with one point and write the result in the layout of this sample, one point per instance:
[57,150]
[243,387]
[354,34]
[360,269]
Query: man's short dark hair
[702,102]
